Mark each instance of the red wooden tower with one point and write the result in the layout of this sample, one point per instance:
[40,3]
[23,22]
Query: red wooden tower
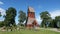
[31,21]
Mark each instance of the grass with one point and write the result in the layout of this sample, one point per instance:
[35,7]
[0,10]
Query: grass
[30,32]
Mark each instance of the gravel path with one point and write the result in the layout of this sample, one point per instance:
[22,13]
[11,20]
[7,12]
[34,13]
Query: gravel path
[52,29]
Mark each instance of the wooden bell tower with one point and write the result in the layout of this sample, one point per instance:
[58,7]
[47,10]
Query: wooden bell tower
[31,21]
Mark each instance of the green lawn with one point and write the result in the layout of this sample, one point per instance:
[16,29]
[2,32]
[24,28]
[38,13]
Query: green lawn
[30,32]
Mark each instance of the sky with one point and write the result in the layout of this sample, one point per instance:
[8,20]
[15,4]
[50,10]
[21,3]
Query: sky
[52,6]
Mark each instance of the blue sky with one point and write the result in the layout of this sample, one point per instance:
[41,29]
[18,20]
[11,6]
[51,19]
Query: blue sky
[52,6]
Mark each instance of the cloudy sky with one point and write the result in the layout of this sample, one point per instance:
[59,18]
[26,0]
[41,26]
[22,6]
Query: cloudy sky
[52,6]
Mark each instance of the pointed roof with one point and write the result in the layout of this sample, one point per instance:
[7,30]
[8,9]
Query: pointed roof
[30,9]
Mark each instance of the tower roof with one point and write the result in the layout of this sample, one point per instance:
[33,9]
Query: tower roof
[30,9]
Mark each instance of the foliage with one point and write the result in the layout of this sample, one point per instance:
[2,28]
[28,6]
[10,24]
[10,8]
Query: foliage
[22,17]
[53,24]
[45,16]
[57,19]
[1,24]
[0,14]
[10,17]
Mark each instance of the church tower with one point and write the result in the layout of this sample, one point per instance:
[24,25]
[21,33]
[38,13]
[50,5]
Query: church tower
[31,21]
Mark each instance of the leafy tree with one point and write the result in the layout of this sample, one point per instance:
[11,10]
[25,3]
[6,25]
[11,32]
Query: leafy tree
[22,17]
[1,24]
[0,14]
[10,17]
[45,16]
[57,19]
[53,23]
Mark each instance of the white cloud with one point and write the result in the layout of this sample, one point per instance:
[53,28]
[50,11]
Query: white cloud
[55,13]
[3,13]
[38,19]
[1,19]
[1,2]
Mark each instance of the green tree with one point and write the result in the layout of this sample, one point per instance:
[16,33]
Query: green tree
[57,19]
[10,17]
[22,17]
[0,14]
[53,23]
[1,24]
[45,16]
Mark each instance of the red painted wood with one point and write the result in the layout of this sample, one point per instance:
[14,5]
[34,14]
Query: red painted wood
[31,15]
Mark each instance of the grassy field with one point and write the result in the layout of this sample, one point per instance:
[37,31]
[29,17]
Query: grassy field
[30,32]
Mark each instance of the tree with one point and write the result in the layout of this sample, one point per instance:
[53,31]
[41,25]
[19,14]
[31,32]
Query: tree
[53,23]
[1,24]
[10,17]
[22,17]
[57,19]
[0,14]
[45,16]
